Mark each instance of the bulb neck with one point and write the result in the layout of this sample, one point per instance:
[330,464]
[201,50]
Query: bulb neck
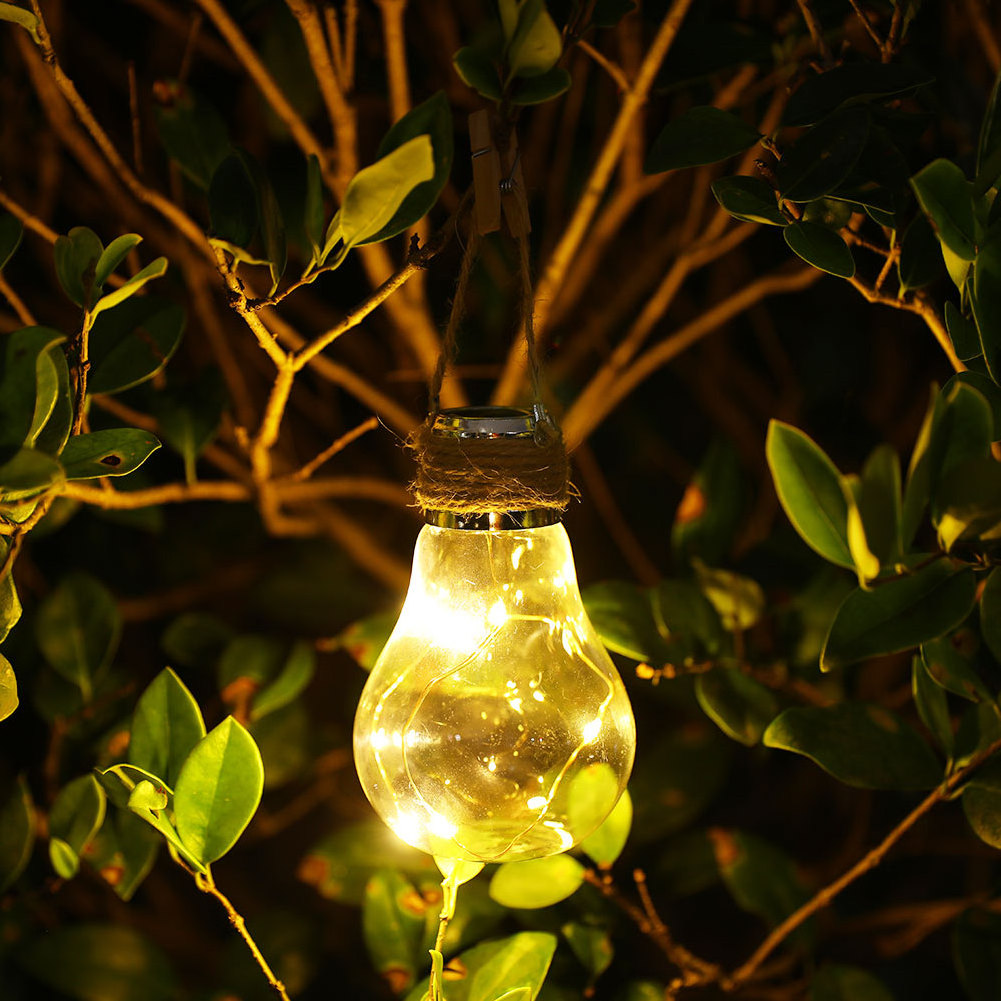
[493,521]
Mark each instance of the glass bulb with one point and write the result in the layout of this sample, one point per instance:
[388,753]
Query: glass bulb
[494,725]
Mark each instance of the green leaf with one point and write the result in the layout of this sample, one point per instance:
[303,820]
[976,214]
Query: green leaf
[809,489]
[979,727]
[218,791]
[75,818]
[976,952]
[847,983]
[537,89]
[761,878]
[115,452]
[478,70]
[113,255]
[28,473]
[76,256]
[291,681]
[193,133]
[376,193]
[10,607]
[272,223]
[27,394]
[99,962]
[123,852]
[621,614]
[393,921]
[687,620]
[8,688]
[823,157]
[133,342]
[849,84]
[749,199]
[17,832]
[832,213]
[78,628]
[866,562]
[944,195]
[499,968]
[740,706]
[707,518]
[432,118]
[536,883]
[985,300]
[982,804]
[189,416]
[881,504]
[313,210]
[968,502]
[986,387]
[932,705]
[592,946]
[18,15]
[899,613]
[11,232]
[364,640]
[536,44]
[920,260]
[152,270]
[234,206]
[53,434]
[964,336]
[195,639]
[990,613]
[166,726]
[738,600]
[821,247]
[950,669]
[605,844]
[861,745]
[700,135]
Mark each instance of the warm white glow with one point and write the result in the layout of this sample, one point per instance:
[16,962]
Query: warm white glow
[450,749]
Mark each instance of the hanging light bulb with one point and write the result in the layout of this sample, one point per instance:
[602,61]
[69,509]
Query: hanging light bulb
[494,725]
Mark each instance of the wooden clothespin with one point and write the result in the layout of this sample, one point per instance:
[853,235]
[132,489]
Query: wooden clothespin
[497,180]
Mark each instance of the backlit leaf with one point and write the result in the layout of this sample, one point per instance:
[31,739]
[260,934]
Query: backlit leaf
[114,452]
[749,199]
[536,883]
[944,194]
[17,832]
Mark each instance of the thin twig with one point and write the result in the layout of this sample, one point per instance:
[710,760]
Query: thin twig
[306,471]
[816,30]
[867,24]
[612,68]
[23,313]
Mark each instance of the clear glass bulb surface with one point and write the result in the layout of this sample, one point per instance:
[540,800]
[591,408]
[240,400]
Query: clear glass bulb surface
[494,726]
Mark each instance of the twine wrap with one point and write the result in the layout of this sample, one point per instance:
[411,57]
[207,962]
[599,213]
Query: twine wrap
[465,468]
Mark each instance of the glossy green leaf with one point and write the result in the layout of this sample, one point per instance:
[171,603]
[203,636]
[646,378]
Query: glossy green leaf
[809,489]
[848,84]
[761,878]
[621,614]
[295,674]
[154,269]
[920,260]
[976,952]
[76,256]
[113,255]
[944,195]
[832,213]
[986,387]
[27,396]
[393,922]
[133,342]
[950,669]
[11,231]
[100,962]
[962,332]
[985,299]
[821,247]
[78,628]
[749,199]
[537,89]
[979,728]
[166,726]
[738,600]
[363,640]
[193,133]
[476,69]
[115,452]
[700,135]
[28,473]
[17,832]
[218,791]
[536,883]
[899,613]
[8,689]
[687,620]
[605,844]
[593,792]
[866,562]
[19,15]
[234,208]
[515,966]
[881,504]
[123,852]
[932,705]
[982,804]
[536,43]
[52,435]
[823,157]
[75,818]
[861,745]
[376,193]
[271,221]
[968,502]
[740,706]
[10,603]
[592,945]
[847,983]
